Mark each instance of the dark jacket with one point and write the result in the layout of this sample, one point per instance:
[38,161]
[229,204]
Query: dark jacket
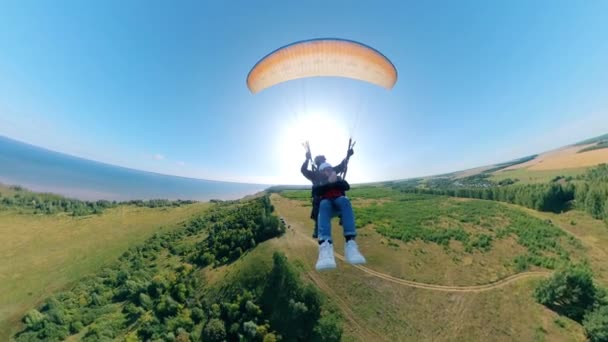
[331,190]
[317,178]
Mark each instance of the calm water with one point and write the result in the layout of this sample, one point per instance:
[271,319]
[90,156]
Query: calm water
[42,170]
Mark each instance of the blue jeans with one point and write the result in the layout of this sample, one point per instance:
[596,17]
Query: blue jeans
[330,208]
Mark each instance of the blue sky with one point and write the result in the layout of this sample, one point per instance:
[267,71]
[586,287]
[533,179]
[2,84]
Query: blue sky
[160,86]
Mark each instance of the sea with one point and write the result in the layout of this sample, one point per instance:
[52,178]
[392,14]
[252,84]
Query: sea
[41,170]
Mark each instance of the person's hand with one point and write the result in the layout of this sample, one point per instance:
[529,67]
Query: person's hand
[308,156]
[351,152]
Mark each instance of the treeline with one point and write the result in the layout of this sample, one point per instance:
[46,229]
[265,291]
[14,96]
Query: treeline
[157,203]
[476,181]
[153,293]
[544,197]
[571,292]
[588,192]
[236,230]
[52,204]
[48,204]
[511,163]
[592,193]
[598,146]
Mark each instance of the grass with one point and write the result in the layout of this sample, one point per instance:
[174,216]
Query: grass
[455,241]
[356,192]
[245,269]
[526,176]
[375,307]
[470,236]
[592,233]
[301,195]
[402,313]
[47,253]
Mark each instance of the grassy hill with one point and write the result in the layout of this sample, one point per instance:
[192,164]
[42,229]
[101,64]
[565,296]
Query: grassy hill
[384,309]
[43,253]
[361,303]
[421,288]
[455,241]
[427,244]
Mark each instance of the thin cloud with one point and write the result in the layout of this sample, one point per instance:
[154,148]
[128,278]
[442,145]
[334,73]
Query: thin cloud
[159,156]
[181,163]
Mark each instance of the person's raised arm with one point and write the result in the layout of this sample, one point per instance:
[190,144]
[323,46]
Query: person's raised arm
[342,166]
[304,169]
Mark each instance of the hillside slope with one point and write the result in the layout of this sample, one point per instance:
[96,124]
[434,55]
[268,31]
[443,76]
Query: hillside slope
[388,307]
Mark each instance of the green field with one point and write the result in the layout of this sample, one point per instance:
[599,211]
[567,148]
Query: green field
[451,241]
[526,176]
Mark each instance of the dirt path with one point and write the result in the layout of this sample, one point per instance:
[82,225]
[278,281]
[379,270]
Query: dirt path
[445,288]
[365,334]
[296,231]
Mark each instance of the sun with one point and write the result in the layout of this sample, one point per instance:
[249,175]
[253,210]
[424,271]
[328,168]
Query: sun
[326,134]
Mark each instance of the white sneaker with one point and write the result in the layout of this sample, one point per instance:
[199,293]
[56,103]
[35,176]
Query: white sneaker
[326,257]
[352,254]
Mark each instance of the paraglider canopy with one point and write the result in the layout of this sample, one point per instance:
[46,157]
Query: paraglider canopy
[322,57]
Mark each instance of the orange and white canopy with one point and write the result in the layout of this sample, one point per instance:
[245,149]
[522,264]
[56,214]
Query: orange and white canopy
[322,57]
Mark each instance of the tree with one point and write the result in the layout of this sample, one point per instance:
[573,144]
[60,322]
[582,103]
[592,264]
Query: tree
[250,329]
[198,315]
[34,319]
[294,310]
[328,329]
[270,337]
[569,292]
[145,301]
[182,321]
[594,203]
[596,324]
[214,330]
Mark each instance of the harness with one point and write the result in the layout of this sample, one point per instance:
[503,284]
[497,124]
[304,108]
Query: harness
[316,199]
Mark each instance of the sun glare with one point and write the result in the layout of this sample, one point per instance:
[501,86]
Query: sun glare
[326,134]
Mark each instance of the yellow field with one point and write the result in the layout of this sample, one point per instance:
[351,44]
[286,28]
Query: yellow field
[42,254]
[564,158]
